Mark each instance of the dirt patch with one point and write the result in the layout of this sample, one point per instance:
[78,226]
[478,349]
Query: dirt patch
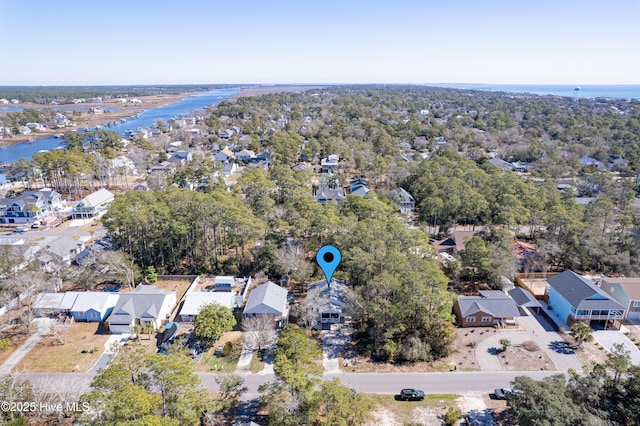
[179,286]
[16,336]
[80,352]
[525,357]
[590,354]
[390,411]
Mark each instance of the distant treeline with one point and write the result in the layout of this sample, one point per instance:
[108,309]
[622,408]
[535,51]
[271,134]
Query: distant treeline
[61,94]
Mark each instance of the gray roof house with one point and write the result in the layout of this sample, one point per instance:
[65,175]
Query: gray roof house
[145,305]
[65,248]
[328,303]
[625,291]
[490,308]
[406,202]
[267,299]
[575,298]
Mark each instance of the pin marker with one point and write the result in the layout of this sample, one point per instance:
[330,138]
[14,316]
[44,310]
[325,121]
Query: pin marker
[328,257]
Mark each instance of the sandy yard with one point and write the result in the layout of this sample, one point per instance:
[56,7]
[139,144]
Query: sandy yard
[392,412]
[49,356]
[16,336]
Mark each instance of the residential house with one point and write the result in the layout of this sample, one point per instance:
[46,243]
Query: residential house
[181,158]
[93,205]
[329,189]
[328,303]
[625,291]
[245,155]
[224,155]
[330,164]
[358,186]
[31,206]
[576,298]
[229,168]
[586,161]
[93,305]
[145,305]
[48,304]
[193,302]
[455,243]
[490,308]
[65,249]
[267,299]
[505,166]
[225,134]
[406,202]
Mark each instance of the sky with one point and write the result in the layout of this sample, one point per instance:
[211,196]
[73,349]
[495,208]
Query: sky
[86,42]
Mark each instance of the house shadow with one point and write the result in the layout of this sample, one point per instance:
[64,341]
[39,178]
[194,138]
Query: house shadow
[561,347]
[494,351]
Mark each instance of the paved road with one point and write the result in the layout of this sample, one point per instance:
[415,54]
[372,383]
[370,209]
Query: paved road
[388,383]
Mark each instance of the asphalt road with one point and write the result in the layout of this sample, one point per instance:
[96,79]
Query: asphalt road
[389,383]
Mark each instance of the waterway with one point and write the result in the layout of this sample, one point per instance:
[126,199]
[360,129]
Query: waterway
[12,153]
[591,91]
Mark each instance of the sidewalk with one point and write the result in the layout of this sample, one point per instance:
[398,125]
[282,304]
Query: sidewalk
[43,324]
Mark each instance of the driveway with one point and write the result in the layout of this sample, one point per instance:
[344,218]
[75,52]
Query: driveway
[607,338]
[333,342]
[551,342]
[43,324]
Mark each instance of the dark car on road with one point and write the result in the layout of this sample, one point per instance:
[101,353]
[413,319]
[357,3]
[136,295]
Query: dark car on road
[411,395]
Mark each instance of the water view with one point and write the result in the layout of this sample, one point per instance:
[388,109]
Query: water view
[9,154]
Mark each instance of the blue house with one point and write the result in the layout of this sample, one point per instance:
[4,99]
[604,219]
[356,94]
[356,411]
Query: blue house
[93,305]
[575,298]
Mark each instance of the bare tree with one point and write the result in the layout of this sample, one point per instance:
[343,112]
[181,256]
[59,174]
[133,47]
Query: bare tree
[23,288]
[291,263]
[118,266]
[60,330]
[260,331]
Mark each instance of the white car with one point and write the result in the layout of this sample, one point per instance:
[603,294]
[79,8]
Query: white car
[24,228]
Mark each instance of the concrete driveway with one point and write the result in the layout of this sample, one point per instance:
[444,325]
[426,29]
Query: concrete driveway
[551,342]
[607,338]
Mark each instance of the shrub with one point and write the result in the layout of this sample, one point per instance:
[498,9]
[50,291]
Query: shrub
[227,349]
[452,416]
[530,345]
[4,345]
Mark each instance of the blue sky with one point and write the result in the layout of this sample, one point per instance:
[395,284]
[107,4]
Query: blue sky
[69,42]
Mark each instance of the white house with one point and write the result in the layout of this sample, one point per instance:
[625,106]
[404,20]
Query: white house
[193,302]
[267,299]
[93,205]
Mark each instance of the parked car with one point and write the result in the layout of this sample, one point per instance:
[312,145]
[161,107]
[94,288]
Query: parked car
[24,228]
[502,393]
[36,224]
[411,395]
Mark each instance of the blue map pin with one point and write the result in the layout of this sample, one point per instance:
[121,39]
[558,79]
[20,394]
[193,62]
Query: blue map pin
[328,257]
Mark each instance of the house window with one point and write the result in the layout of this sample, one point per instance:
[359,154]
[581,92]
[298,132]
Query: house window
[94,315]
[487,319]
[636,303]
[471,319]
[81,313]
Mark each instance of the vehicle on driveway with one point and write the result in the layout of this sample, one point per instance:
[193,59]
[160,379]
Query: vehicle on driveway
[411,395]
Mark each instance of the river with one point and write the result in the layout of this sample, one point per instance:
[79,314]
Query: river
[12,153]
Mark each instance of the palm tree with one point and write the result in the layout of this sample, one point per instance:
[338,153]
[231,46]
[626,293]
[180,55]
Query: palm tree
[148,328]
[505,344]
[582,333]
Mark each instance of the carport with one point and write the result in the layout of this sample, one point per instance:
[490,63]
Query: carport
[524,299]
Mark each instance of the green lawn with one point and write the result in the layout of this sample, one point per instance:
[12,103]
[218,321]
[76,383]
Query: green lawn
[222,364]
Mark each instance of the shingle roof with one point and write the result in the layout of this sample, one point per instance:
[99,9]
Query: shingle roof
[581,292]
[524,298]
[145,301]
[490,302]
[268,298]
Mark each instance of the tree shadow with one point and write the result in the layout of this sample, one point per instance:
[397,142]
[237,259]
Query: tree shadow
[561,347]
[494,351]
